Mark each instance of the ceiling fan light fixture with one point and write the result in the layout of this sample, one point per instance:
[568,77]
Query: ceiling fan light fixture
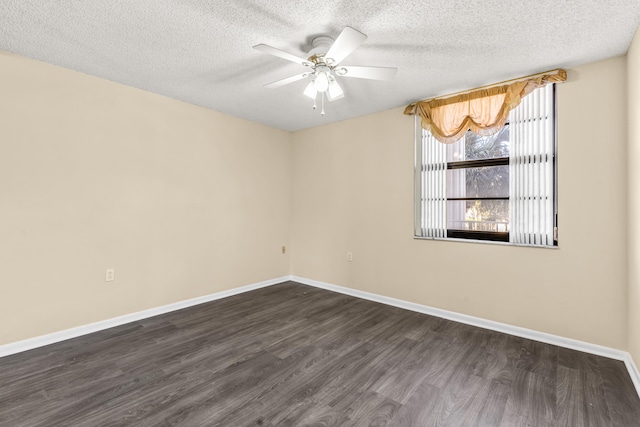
[335,91]
[310,90]
[322,81]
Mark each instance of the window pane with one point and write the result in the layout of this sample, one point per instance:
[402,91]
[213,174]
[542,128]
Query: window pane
[490,181]
[478,215]
[476,147]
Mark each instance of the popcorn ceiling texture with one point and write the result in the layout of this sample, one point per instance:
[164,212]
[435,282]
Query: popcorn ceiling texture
[201,51]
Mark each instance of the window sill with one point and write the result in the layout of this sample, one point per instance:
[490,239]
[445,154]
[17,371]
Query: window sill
[485,242]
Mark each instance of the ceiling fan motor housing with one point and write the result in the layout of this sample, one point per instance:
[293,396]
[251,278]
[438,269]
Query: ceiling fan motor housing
[320,46]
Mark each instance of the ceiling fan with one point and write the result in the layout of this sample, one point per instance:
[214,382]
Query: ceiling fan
[323,62]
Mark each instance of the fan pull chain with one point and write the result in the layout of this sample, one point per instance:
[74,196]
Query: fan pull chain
[322,95]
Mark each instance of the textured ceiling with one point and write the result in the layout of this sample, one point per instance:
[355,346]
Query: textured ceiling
[201,52]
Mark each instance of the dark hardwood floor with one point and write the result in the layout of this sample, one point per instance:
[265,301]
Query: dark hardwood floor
[294,355]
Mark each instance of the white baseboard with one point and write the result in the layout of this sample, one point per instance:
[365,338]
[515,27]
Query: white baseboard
[487,324]
[633,372]
[31,343]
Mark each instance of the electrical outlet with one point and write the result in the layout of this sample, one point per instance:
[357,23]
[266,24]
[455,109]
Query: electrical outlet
[110,275]
[284,249]
[350,256]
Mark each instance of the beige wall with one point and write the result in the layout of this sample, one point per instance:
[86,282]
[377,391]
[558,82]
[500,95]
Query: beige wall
[183,201]
[353,191]
[633,102]
[180,200]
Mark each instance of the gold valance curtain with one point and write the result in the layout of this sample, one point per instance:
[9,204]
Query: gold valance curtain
[483,110]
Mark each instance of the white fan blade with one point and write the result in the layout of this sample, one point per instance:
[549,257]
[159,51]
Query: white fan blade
[335,91]
[348,40]
[281,54]
[286,81]
[373,73]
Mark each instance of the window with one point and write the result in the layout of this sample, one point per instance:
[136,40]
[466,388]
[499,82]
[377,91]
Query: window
[478,187]
[499,187]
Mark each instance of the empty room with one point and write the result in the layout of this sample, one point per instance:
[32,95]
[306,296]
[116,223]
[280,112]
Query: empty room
[258,213]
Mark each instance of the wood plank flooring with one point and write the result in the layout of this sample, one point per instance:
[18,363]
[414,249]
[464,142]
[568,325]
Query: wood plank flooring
[293,355]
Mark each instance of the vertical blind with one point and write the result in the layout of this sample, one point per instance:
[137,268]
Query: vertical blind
[431,184]
[531,174]
[531,169]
